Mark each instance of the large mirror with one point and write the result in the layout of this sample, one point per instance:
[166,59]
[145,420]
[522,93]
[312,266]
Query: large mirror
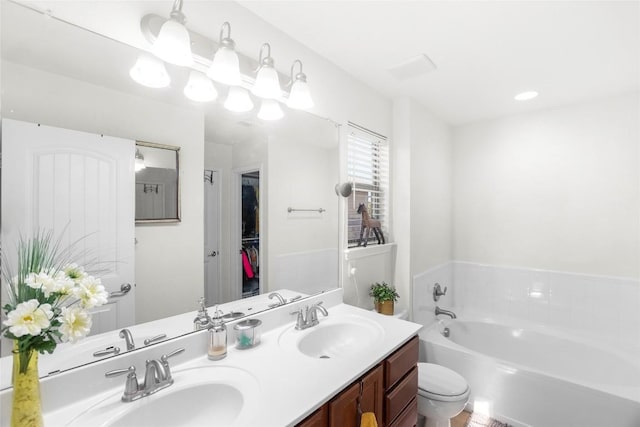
[63,76]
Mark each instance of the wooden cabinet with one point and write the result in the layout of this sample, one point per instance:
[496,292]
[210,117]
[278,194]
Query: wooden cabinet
[368,392]
[388,390]
[319,418]
[401,383]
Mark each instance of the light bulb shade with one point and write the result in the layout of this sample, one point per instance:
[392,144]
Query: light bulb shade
[150,71]
[173,44]
[225,67]
[267,83]
[199,88]
[300,96]
[270,110]
[238,100]
[139,163]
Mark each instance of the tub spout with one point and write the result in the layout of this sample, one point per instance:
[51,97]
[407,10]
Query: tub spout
[445,312]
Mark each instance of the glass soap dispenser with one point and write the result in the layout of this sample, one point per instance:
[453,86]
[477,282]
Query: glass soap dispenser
[217,348]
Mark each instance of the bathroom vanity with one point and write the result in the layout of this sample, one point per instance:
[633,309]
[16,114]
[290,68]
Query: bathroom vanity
[310,377]
[388,390]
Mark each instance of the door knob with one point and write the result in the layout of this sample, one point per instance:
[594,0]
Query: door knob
[213,253]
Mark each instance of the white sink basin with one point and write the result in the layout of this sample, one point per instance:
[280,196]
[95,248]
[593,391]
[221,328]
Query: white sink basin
[207,395]
[341,337]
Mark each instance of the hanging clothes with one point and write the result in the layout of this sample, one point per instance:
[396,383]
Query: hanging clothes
[246,264]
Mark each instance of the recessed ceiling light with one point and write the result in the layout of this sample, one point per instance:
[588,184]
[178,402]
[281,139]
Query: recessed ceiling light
[525,96]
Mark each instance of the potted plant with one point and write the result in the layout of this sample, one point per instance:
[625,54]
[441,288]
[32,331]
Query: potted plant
[384,296]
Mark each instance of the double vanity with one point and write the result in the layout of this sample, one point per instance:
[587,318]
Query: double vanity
[351,360]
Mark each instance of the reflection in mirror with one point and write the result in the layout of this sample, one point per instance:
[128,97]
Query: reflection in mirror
[157,183]
[80,80]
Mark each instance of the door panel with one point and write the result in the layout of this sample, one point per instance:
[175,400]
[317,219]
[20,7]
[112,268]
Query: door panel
[81,186]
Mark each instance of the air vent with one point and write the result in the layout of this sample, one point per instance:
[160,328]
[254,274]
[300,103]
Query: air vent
[413,67]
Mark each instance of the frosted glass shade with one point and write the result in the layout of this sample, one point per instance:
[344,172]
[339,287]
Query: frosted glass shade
[225,67]
[199,88]
[238,100]
[267,83]
[173,44]
[139,163]
[150,71]
[270,110]
[300,96]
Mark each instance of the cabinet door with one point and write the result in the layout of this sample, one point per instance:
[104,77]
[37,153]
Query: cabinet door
[343,409]
[319,418]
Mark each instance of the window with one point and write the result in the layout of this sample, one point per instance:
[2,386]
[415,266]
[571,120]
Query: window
[368,170]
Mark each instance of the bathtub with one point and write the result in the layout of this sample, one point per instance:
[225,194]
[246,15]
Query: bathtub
[527,376]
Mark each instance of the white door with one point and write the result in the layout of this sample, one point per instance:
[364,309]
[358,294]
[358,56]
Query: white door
[79,184]
[212,291]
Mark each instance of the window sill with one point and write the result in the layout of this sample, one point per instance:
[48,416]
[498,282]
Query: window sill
[362,252]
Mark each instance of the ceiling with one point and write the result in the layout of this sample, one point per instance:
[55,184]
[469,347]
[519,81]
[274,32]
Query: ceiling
[485,51]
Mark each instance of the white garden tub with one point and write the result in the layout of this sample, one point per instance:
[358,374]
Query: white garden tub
[530,377]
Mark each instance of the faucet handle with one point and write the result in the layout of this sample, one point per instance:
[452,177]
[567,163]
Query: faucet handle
[300,318]
[165,363]
[131,387]
[438,292]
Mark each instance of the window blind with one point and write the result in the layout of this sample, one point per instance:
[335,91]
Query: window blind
[368,170]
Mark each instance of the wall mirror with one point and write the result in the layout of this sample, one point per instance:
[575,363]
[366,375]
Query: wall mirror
[79,79]
[157,183]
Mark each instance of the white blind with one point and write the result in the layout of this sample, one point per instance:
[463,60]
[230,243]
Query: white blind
[368,169]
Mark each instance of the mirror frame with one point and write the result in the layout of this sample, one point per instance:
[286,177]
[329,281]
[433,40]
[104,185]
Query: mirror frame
[177,152]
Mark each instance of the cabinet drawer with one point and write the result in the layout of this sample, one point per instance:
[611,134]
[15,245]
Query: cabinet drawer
[400,362]
[408,417]
[398,398]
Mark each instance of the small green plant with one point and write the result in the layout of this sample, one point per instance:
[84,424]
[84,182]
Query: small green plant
[383,292]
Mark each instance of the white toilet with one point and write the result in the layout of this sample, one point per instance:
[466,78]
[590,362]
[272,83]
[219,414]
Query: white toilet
[442,394]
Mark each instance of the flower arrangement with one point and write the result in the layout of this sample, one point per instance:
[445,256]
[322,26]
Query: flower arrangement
[49,298]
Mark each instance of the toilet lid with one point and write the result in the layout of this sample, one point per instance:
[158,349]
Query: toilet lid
[440,381]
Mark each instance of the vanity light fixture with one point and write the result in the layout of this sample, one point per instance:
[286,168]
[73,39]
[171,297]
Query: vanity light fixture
[238,100]
[525,96]
[225,67]
[270,110]
[150,71]
[267,84]
[199,88]
[174,43]
[139,164]
[300,96]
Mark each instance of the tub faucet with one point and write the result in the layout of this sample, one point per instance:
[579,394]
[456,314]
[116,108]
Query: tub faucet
[445,312]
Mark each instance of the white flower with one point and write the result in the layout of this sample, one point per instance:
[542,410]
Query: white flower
[48,283]
[90,292]
[74,272]
[29,318]
[75,323]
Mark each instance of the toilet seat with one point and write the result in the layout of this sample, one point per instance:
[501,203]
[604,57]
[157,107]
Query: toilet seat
[437,382]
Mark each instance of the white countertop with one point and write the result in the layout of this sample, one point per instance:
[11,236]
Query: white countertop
[290,384]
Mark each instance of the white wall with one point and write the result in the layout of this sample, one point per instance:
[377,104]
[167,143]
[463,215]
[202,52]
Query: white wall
[421,188]
[168,257]
[554,190]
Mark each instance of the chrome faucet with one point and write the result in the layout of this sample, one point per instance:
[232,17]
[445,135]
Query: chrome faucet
[445,312]
[156,377]
[128,339]
[281,301]
[309,317]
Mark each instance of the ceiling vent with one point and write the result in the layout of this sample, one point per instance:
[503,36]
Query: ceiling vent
[413,67]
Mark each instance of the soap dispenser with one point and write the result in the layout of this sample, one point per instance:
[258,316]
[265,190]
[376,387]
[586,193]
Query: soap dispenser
[217,348]
[202,320]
